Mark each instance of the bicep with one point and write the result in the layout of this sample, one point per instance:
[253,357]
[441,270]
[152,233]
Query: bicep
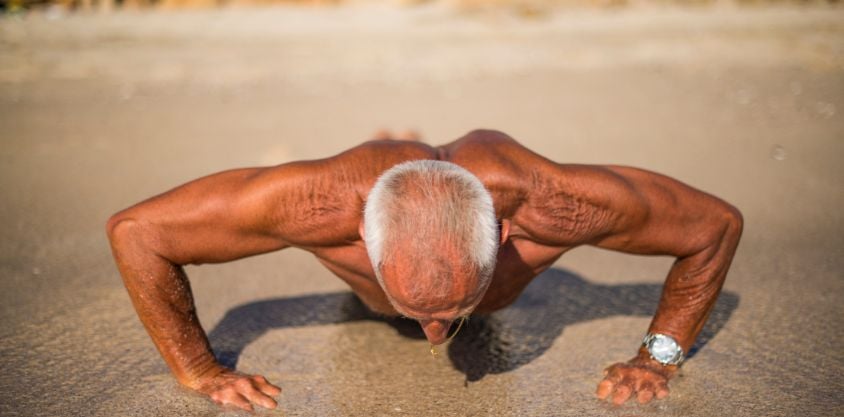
[675,219]
[621,208]
[217,218]
[572,205]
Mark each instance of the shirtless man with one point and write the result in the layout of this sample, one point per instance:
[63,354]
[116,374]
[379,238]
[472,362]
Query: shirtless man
[444,232]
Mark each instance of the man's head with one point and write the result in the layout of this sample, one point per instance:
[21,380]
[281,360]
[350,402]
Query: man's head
[432,236]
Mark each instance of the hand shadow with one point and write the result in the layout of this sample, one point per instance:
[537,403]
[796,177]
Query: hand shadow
[495,343]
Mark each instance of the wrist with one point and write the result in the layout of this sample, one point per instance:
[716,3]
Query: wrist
[664,348]
[643,358]
[200,372]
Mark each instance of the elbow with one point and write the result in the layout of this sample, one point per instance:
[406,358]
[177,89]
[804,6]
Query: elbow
[734,223]
[111,226]
[116,225]
[129,236]
[124,230]
[726,226]
[723,230]
[135,235]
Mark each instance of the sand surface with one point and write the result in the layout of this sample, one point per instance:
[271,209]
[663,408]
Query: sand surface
[98,112]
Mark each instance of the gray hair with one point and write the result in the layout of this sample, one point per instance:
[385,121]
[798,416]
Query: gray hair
[416,204]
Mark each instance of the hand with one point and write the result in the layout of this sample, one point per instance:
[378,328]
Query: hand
[642,376]
[240,390]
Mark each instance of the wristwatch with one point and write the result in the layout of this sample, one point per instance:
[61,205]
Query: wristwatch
[663,349]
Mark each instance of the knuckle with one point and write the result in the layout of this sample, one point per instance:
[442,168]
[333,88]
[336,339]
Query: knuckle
[229,394]
[254,396]
[243,383]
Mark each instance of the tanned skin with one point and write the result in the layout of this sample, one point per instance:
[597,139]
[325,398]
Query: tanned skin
[545,209]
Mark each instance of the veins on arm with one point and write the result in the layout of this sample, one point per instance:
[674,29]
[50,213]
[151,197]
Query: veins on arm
[315,208]
[570,217]
[640,212]
[575,205]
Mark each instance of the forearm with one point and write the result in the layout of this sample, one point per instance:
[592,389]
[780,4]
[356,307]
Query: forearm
[161,295]
[693,285]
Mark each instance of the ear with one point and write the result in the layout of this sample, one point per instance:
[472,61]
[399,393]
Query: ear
[361,228]
[504,230]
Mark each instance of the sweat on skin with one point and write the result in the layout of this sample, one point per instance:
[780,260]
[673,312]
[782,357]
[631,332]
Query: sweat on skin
[430,269]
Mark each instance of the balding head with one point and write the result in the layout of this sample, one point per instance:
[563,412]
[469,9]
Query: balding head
[432,236]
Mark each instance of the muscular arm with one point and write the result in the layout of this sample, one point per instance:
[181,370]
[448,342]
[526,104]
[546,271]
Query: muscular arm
[214,219]
[647,213]
[618,208]
[640,212]
[219,218]
[228,216]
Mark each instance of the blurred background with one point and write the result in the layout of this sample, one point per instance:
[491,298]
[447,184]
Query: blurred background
[105,103]
[524,6]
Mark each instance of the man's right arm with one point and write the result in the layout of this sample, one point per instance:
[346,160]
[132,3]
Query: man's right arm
[228,216]
[219,218]
[213,219]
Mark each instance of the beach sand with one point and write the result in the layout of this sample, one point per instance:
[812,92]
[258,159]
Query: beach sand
[98,112]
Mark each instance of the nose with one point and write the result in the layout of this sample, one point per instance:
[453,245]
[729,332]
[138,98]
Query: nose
[436,330]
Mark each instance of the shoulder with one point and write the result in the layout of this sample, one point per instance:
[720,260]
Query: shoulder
[549,202]
[507,168]
[358,168]
[485,143]
[320,202]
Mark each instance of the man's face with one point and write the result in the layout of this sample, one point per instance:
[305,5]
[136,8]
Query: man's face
[431,292]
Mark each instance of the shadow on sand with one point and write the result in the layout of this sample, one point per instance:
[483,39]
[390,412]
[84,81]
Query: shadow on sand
[494,343]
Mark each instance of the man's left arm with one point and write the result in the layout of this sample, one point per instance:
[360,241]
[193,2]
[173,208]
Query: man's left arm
[640,212]
[703,233]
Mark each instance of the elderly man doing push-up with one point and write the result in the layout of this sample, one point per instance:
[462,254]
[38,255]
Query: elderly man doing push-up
[430,233]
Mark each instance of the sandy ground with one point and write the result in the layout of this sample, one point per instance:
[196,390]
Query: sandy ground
[98,112]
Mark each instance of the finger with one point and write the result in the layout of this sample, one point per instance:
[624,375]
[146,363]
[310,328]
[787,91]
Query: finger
[266,387]
[269,389]
[644,396]
[604,389]
[256,396]
[622,393]
[261,399]
[644,389]
[238,401]
[661,391]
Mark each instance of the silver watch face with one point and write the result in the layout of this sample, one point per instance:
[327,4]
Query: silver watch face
[663,348]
